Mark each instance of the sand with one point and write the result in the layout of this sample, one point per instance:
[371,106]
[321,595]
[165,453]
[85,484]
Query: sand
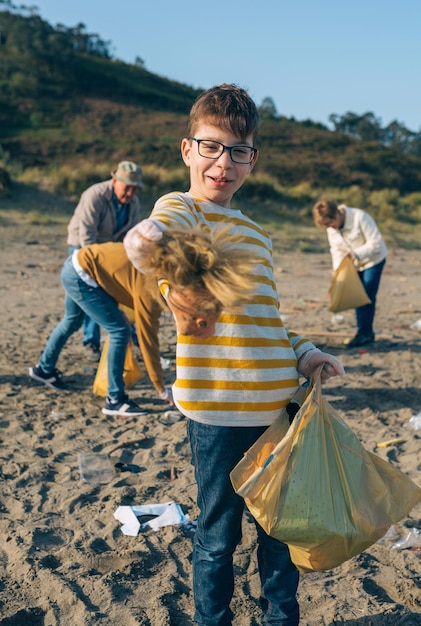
[63,557]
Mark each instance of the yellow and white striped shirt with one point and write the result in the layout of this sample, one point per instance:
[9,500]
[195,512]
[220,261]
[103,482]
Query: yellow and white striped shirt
[247,371]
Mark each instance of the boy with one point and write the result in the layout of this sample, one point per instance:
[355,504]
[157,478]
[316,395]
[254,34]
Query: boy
[232,385]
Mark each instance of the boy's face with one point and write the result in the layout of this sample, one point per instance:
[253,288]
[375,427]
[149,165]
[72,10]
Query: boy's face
[218,179]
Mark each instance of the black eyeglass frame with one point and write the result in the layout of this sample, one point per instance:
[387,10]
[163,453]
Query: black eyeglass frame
[224,147]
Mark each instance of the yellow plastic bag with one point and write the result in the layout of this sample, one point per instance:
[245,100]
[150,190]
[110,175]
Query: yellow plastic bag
[346,289]
[132,370]
[313,486]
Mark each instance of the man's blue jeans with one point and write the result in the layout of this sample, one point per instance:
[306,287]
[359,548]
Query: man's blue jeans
[370,278]
[91,330]
[215,452]
[82,299]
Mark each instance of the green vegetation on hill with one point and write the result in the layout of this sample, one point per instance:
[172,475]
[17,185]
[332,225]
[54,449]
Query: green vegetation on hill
[69,112]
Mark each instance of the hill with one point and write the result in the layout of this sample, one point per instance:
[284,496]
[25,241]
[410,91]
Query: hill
[69,111]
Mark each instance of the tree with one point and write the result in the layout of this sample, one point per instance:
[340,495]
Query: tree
[366,127]
[268,108]
[370,127]
[396,135]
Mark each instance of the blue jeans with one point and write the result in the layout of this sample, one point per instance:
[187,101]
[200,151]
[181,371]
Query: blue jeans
[370,278]
[215,452]
[82,299]
[91,330]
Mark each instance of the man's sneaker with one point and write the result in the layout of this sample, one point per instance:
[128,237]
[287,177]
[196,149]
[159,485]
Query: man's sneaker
[51,379]
[360,340]
[92,352]
[123,408]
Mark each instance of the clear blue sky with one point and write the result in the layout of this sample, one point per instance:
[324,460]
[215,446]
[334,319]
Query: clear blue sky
[313,58]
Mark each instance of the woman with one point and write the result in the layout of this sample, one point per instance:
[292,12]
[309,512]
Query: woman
[352,232]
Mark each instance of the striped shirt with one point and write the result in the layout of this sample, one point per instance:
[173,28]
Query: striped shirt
[247,371]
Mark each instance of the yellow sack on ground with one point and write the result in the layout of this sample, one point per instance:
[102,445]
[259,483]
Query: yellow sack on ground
[313,486]
[132,370]
[346,289]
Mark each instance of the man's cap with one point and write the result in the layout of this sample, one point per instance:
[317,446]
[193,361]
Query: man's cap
[129,173]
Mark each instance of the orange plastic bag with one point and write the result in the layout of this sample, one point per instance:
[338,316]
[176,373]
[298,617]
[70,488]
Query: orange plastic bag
[132,370]
[346,289]
[313,486]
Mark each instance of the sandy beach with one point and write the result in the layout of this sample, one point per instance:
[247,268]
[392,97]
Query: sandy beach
[64,560]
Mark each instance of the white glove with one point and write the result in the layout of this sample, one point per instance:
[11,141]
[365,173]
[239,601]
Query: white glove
[140,241]
[311,359]
[167,396]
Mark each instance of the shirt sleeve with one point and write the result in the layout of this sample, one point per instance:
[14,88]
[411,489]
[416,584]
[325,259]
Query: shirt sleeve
[372,236]
[89,210]
[338,247]
[175,210]
[147,313]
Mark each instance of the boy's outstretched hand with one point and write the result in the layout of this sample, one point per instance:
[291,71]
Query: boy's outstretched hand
[311,360]
[140,241]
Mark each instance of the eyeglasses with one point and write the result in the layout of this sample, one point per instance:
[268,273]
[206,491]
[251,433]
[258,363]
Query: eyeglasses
[214,149]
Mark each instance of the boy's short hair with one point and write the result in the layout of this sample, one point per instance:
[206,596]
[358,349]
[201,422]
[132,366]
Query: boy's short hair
[324,209]
[228,106]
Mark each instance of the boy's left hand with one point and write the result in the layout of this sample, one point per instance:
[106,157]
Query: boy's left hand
[311,360]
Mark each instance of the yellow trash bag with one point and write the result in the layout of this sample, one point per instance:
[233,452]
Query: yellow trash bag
[346,289]
[313,486]
[132,370]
